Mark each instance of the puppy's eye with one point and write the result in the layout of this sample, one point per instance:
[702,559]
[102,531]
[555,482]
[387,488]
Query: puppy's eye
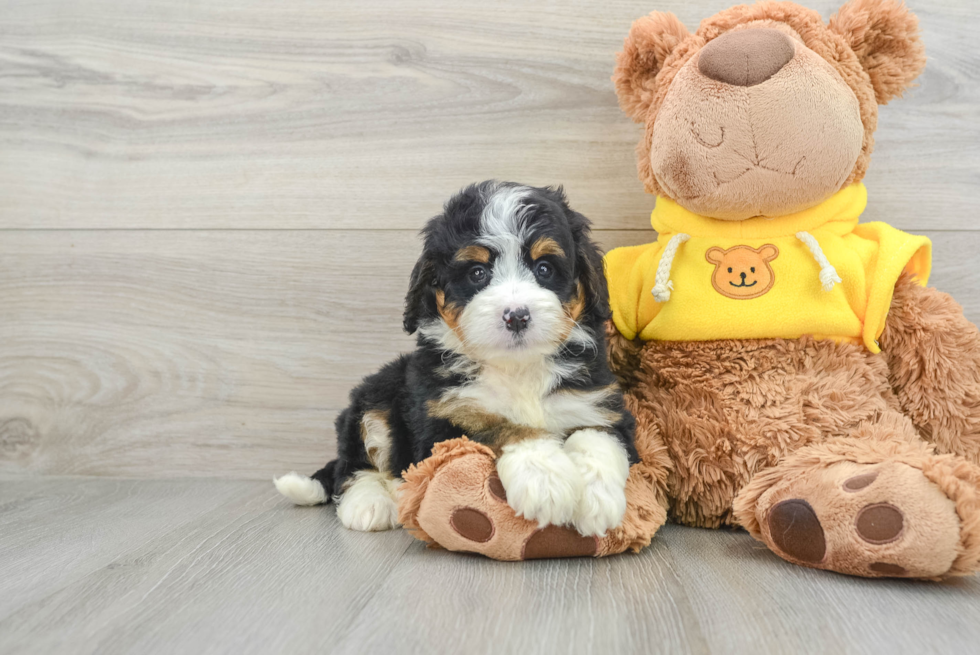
[729,269]
[479,274]
[544,270]
[752,269]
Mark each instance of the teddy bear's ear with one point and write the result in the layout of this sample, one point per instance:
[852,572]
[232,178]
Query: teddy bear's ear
[650,41]
[885,36]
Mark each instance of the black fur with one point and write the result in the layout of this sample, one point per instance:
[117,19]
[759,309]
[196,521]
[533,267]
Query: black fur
[405,387]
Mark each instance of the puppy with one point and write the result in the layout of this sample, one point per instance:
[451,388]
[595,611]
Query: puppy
[509,302]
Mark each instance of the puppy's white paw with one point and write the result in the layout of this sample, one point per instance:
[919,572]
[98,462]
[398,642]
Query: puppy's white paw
[369,504]
[603,466]
[541,482]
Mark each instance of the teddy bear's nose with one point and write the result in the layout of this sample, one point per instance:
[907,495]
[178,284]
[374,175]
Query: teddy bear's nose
[746,57]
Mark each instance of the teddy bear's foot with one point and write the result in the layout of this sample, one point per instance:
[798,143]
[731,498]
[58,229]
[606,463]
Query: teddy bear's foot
[455,499]
[861,510]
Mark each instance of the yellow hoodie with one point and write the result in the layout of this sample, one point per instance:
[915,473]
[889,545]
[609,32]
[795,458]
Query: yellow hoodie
[817,272]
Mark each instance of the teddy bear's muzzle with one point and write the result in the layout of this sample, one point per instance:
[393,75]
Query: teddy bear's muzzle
[746,57]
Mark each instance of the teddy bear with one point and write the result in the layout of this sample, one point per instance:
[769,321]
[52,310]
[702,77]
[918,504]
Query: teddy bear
[804,381]
[789,370]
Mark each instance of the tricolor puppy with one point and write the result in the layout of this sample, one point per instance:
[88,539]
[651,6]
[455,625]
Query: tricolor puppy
[509,302]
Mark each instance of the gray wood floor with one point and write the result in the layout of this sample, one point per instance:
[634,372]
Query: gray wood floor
[139,566]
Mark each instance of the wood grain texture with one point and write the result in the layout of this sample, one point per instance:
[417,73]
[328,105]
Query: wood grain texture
[226,353]
[226,567]
[56,531]
[312,114]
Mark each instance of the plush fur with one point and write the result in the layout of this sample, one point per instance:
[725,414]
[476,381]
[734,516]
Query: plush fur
[509,304]
[834,457]
[872,46]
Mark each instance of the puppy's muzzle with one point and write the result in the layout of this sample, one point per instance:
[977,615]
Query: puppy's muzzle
[517,320]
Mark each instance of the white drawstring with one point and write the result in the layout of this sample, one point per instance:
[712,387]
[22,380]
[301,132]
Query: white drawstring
[661,290]
[828,274]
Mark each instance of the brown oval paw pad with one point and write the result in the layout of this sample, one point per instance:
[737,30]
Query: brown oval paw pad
[887,569]
[557,541]
[496,488]
[472,524]
[796,530]
[880,523]
[859,482]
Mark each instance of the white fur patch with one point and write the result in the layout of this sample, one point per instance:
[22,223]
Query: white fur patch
[300,489]
[369,503]
[541,481]
[524,393]
[377,438]
[603,466]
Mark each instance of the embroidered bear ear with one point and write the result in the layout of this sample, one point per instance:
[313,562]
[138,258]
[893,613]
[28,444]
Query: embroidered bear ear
[715,255]
[647,46]
[884,35]
[768,252]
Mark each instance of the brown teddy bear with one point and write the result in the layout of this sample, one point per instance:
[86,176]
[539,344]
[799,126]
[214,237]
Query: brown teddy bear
[788,369]
[789,360]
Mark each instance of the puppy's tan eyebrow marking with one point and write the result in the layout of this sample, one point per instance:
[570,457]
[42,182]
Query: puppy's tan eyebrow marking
[472,254]
[546,246]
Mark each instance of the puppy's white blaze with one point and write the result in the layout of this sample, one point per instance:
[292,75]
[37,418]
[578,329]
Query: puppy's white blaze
[370,502]
[300,489]
[505,213]
[603,466]
[503,227]
[541,481]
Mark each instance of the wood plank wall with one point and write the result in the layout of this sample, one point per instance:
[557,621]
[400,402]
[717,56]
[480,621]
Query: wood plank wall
[208,210]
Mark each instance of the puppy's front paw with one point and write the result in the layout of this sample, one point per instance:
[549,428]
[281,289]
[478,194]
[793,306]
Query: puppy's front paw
[541,482]
[369,504]
[603,466]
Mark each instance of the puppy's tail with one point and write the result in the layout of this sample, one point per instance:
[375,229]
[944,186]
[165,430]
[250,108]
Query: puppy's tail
[314,490]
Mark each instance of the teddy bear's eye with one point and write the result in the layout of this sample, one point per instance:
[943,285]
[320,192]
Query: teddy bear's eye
[729,269]
[752,269]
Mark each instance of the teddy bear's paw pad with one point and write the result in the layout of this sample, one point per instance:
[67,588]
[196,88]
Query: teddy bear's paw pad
[558,541]
[881,520]
[796,530]
[472,524]
[859,482]
[496,488]
[880,523]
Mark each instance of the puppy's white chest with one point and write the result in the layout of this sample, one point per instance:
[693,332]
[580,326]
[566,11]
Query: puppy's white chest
[527,398]
[519,398]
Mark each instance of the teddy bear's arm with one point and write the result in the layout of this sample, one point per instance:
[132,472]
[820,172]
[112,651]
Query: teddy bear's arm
[933,355]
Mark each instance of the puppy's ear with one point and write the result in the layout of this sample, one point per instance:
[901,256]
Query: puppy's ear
[420,294]
[884,35]
[649,43]
[589,269]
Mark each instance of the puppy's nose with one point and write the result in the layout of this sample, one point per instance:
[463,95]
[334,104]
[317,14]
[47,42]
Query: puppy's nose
[743,275]
[518,319]
[746,57]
